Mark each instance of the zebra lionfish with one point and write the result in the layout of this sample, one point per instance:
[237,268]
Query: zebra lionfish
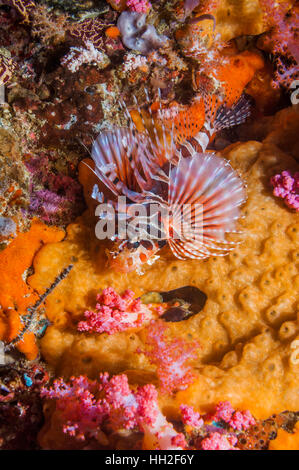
[149,168]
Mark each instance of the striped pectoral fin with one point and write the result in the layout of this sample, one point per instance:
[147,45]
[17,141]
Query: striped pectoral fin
[237,114]
[205,194]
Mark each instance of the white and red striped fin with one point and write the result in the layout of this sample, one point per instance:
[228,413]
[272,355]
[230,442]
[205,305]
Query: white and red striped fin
[232,116]
[123,161]
[162,142]
[215,193]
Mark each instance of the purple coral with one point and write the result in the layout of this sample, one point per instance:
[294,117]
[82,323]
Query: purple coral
[60,198]
[286,186]
[138,35]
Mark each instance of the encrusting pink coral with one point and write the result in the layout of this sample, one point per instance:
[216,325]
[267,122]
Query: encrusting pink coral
[115,313]
[86,405]
[171,357]
[286,186]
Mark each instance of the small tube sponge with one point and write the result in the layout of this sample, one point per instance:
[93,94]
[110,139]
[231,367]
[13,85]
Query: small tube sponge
[138,35]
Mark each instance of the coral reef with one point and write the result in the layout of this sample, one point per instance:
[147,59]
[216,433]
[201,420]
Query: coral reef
[93,414]
[249,286]
[126,344]
[21,412]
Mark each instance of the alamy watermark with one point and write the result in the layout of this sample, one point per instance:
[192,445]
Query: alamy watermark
[2,94]
[2,354]
[295,93]
[124,221]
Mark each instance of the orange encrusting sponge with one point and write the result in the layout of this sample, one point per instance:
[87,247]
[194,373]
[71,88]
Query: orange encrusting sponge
[15,294]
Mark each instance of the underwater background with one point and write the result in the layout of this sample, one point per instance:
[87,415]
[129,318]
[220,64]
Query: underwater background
[141,342]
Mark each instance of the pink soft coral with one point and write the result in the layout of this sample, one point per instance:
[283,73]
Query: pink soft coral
[286,186]
[82,413]
[239,420]
[217,441]
[140,6]
[115,313]
[242,420]
[171,358]
[85,405]
[85,408]
[282,40]
[191,417]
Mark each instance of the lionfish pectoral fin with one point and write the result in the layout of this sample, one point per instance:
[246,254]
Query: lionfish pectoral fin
[205,195]
[237,114]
